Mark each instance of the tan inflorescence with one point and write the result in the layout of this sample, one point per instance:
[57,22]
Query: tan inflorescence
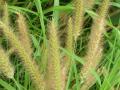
[78,18]
[95,45]
[54,67]
[57,72]
[23,51]
[28,63]
[89,3]
[69,46]
[23,34]
[5,66]
[69,41]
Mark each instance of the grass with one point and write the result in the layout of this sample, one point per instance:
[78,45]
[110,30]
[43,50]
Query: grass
[38,13]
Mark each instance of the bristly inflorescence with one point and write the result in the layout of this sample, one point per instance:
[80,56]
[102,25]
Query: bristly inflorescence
[69,42]
[78,18]
[95,45]
[27,61]
[23,34]
[23,52]
[54,74]
[88,4]
[54,67]
[5,65]
[67,62]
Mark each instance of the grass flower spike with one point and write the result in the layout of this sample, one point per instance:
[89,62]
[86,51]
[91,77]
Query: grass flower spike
[23,34]
[4,12]
[69,41]
[26,60]
[69,46]
[95,48]
[78,18]
[81,51]
[54,68]
[24,51]
[5,66]
[89,3]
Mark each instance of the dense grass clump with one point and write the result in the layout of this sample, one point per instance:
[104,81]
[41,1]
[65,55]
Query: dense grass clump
[59,45]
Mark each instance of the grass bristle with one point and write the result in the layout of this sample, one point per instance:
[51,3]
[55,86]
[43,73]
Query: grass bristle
[54,67]
[95,45]
[27,61]
[5,65]
[59,45]
[23,34]
[78,18]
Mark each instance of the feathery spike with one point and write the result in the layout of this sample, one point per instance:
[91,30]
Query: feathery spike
[69,46]
[54,68]
[89,3]
[78,18]
[104,8]
[23,34]
[27,61]
[95,48]
[5,17]
[69,41]
[44,58]
[4,12]
[5,66]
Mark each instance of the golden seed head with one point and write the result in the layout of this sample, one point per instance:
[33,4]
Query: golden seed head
[5,66]
[23,34]
[54,68]
[78,18]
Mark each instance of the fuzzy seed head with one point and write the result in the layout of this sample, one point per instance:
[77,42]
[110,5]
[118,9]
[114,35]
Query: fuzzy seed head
[4,12]
[69,41]
[78,18]
[103,10]
[23,34]
[89,3]
[54,68]
[5,66]
[95,45]
[27,61]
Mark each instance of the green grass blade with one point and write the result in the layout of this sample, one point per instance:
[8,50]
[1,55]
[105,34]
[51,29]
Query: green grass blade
[41,16]
[6,85]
